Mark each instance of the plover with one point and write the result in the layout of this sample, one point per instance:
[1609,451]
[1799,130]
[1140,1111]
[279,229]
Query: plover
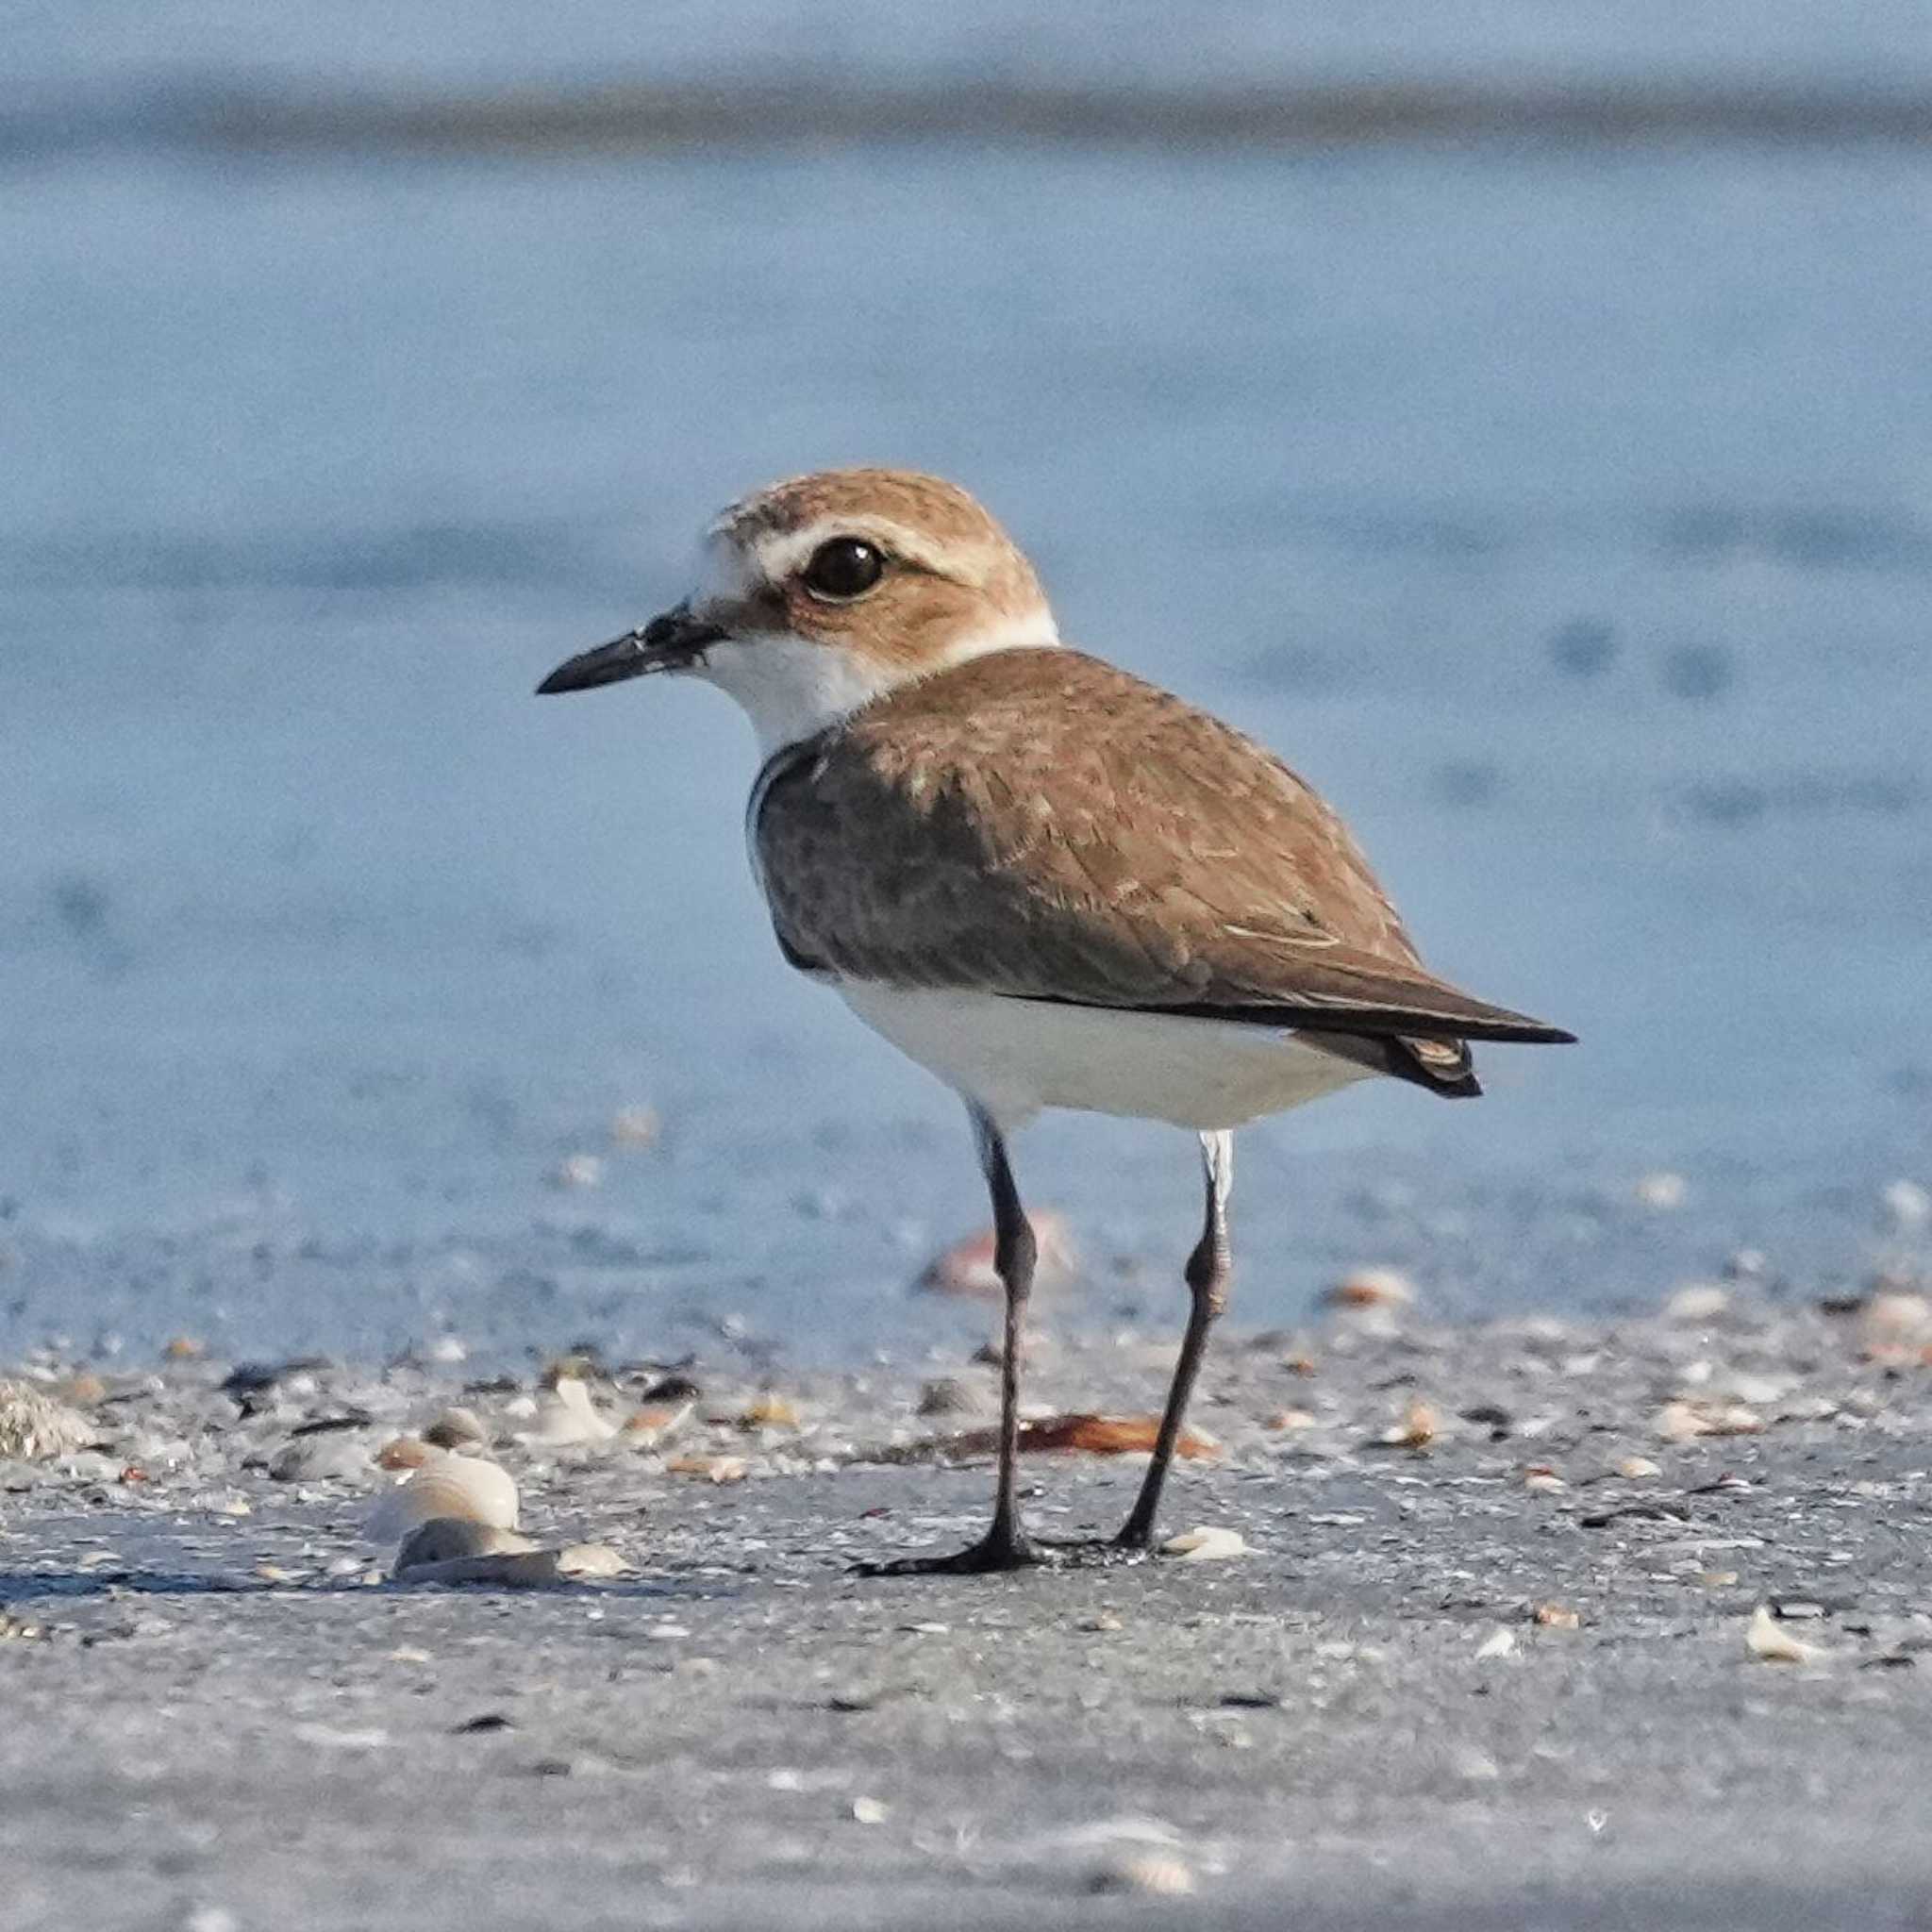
[1051,883]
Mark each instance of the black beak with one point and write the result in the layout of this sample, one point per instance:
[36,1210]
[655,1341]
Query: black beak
[674,641]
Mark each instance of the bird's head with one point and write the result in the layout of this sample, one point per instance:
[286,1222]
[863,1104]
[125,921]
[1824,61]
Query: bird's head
[817,594]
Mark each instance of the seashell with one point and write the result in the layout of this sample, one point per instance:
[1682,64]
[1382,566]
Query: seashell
[456,1428]
[1556,1617]
[1378,1293]
[590,1559]
[445,1539]
[464,1488]
[404,1452]
[450,1551]
[1149,1873]
[1682,1422]
[1895,1315]
[1697,1301]
[566,1416]
[769,1411]
[649,1425]
[1419,1426]
[1499,1643]
[1769,1642]
[719,1469]
[34,1428]
[1205,1546]
[967,1267]
[1638,1469]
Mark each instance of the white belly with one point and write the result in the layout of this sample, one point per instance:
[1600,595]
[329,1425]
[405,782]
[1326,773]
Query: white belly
[1015,1057]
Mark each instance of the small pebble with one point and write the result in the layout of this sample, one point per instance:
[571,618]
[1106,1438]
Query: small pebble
[1907,1204]
[1697,1301]
[636,1127]
[1662,1191]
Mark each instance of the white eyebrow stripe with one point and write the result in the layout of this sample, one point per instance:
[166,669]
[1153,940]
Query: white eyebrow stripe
[780,554]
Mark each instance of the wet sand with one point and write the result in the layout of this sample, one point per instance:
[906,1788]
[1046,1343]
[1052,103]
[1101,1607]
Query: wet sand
[1486,1661]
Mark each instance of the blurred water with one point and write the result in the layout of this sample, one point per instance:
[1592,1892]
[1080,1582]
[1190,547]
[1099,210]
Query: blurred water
[1567,518]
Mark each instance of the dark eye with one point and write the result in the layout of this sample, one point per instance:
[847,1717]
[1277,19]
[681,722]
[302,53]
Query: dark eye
[844,568]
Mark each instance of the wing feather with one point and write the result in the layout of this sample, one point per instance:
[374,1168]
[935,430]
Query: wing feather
[1159,861]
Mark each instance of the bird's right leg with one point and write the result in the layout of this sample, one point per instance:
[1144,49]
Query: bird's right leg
[1006,1545]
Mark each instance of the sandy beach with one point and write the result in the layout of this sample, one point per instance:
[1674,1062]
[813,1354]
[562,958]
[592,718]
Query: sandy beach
[1539,1623]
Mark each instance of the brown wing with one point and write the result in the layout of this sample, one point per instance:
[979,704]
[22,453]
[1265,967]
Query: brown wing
[1157,859]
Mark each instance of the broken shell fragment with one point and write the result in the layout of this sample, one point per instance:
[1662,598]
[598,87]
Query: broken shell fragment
[769,1411]
[1204,1545]
[1420,1423]
[566,1417]
[1371,1287]
[586,1561]
[1683,1420]
[1769,1642]
[717,1468]
[1095,1435]
[645,1428]
[967,1267]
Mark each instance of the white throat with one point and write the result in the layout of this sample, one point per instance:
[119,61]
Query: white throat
[792,689]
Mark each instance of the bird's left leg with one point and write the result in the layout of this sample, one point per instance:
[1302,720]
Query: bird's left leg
[1210,1269]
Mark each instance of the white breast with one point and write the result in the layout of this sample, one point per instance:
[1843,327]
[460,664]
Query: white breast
[1016,1057]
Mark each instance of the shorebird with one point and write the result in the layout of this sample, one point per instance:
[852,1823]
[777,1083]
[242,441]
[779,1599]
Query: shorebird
[1049,882]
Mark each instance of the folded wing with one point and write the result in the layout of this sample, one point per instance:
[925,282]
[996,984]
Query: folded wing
[1155,861]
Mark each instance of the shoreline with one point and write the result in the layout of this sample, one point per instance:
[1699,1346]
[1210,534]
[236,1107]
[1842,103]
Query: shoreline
[1489,1646]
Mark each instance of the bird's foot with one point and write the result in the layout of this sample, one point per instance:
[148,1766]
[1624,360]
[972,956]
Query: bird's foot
[999,1549]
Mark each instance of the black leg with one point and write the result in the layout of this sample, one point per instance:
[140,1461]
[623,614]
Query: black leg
[1210,1267]
[1006,1545]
